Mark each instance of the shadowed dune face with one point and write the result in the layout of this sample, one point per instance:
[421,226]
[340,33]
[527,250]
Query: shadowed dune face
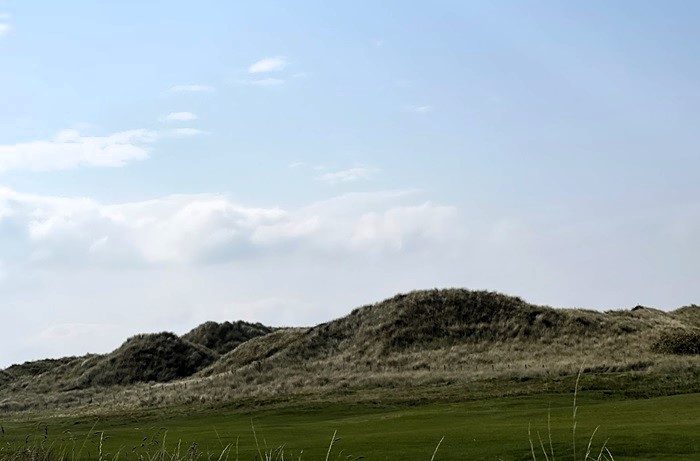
[685,341]
[159,357]
[224,337]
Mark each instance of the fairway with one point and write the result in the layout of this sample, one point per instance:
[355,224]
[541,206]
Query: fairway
[656,428]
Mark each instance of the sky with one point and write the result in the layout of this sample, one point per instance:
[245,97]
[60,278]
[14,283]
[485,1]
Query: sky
[167,163]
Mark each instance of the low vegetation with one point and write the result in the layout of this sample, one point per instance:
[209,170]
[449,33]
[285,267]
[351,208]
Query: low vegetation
[512,428]
[684,341]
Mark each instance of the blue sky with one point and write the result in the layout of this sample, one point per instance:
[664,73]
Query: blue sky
[166,163]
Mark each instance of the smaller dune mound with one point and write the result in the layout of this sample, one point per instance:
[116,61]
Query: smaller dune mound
[689,315]
[159,357]
[225,337]
[256,350]
[33,369]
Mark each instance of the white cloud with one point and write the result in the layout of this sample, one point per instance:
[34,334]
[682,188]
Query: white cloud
[4,28]
[419,109]
[189,229]
[192,88]
[348,175]
[180,117]
[184,132]
[265,82]
[69,149]
[401,226]
[268,65]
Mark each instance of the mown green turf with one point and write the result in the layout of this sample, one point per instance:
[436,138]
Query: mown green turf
[656,428]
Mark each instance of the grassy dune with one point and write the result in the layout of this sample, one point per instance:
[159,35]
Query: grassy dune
[426,339]
[655,428]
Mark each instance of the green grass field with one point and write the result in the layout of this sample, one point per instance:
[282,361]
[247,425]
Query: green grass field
[654,428]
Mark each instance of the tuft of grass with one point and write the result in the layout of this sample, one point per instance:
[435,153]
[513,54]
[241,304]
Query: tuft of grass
[603,455]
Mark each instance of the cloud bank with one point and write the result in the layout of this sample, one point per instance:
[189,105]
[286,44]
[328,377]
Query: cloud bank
[210,228]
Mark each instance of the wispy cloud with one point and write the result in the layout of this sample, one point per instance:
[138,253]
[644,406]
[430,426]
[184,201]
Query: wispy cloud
[418,109]
[192,88]
[348,175]
[5,27]
[69,149]
[184,132]
[268,82]
[180,117]
[265,82]
[273,64]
